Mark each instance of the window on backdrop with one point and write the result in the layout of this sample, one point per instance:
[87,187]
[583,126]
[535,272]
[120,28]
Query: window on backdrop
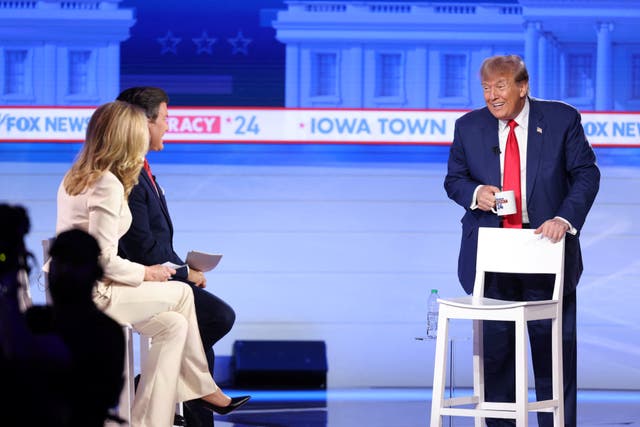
[324,74]
[580,81]
[635,77]
[454,75]
[15,72]
[388,74]
[79,72]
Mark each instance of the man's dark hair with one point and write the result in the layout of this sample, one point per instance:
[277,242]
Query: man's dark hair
[147,97]
[75,247]
[75,266]
[14,225]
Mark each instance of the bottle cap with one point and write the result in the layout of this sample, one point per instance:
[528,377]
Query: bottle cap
[434,291]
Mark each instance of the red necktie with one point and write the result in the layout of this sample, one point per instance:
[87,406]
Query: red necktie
[511,179]
[147,168]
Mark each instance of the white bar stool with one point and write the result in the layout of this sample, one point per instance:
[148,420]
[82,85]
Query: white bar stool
[508,251]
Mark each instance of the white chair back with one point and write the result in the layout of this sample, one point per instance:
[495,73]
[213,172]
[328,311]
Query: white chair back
[511,250]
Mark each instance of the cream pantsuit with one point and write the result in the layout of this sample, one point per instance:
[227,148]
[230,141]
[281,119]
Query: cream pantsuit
[176,369]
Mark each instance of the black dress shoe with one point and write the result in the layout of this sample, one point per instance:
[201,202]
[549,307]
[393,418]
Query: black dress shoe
[179,420]
[236,402]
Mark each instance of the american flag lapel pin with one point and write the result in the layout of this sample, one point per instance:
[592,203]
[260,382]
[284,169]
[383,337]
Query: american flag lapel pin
[539,130]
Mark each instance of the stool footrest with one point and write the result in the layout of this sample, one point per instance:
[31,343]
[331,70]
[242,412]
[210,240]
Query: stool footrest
[491,409]
[457,401]
[543,405]
[498,406]
[484,413]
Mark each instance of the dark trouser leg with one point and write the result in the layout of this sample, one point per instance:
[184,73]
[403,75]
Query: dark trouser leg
[499,366]
[215,320]
[542,363]
[499,351]
[499,342]
[570,359]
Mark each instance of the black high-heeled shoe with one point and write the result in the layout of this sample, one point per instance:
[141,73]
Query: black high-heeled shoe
[236,402]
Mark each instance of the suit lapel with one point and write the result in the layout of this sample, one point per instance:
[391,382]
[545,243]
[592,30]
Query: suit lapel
[490,150]
[159,196]
[535,139]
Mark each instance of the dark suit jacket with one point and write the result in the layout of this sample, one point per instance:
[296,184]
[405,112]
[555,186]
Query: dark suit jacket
[149,240]
[562,177]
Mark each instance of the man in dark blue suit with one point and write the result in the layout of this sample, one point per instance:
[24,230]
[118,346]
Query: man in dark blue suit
[559,181]
[149,240]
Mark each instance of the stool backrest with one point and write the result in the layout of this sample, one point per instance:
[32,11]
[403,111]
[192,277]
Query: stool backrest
[509,250]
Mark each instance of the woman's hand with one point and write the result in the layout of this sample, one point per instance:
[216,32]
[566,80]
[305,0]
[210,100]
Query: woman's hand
[158,273]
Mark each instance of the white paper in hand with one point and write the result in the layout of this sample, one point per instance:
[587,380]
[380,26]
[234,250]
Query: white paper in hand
[172,265]
[202,261]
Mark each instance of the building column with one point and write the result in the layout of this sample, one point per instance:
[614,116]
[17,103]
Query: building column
[531,40]
[543,67]
[48,87]
[604,97]
[292,75]
[555,70]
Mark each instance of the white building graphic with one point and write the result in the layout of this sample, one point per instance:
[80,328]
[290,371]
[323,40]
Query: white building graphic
[397,54]
[350,54]
[61,52]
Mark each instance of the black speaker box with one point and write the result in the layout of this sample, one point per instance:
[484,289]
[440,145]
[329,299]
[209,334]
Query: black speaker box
[280,364]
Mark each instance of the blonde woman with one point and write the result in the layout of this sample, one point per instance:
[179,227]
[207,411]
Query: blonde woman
[93,197]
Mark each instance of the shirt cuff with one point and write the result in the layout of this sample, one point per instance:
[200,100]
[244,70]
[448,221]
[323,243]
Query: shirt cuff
[571,229]
[474,199]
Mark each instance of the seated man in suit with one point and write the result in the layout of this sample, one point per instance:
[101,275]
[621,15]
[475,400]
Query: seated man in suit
[150,239]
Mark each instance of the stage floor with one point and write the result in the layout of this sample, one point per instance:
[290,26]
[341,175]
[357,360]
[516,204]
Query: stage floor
[399,407]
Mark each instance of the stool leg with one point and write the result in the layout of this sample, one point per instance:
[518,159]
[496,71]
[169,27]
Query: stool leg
[557,368]
[126,395]
[522,373]
[478,367]
[440,369]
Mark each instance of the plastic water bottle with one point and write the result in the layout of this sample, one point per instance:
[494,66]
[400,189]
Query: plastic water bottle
[432,314]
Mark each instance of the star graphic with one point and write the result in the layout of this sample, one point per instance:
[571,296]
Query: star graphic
[239,44]
[204,43]
[169,43]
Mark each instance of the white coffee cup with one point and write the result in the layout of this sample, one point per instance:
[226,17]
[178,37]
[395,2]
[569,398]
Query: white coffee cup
[505,203]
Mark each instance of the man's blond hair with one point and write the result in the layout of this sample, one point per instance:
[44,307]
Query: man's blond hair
[505,65]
